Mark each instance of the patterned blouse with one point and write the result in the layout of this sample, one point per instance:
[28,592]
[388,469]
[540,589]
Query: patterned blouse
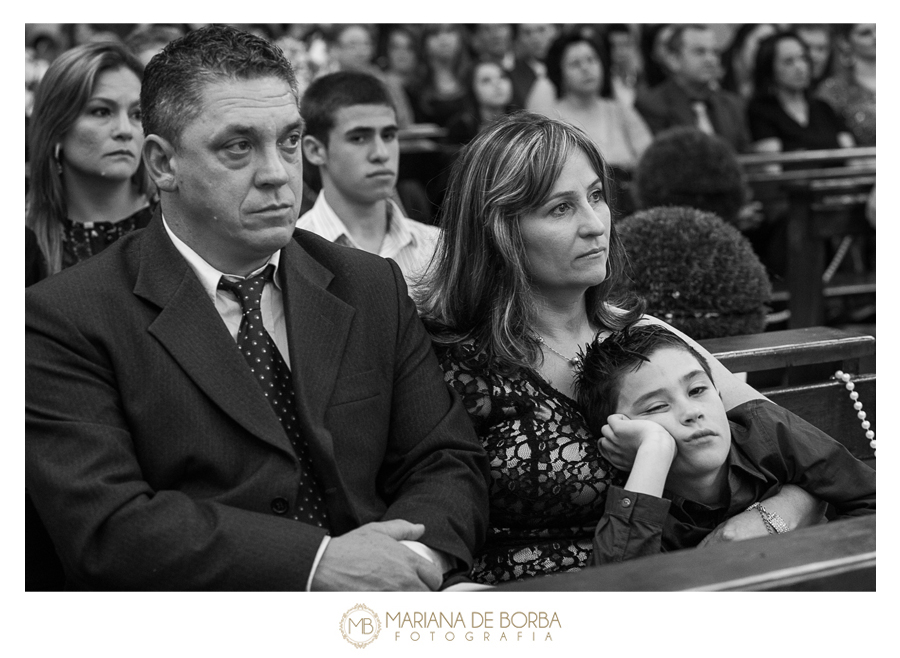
[855,103]
[548,480]
[83,240]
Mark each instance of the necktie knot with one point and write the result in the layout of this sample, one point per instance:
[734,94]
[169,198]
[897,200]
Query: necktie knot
[249,291]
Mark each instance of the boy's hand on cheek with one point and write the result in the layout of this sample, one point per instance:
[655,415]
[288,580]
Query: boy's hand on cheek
[623,437]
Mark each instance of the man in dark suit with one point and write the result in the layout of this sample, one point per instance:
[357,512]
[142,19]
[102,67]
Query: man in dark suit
[184,429]
[533,41]
[691,96]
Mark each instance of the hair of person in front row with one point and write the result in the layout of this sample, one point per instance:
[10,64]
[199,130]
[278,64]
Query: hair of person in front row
[477,284]
[605,363]
[61,97]
[174,80]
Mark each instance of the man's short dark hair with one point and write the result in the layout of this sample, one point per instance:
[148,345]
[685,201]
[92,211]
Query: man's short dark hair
[328,94]
[172,89]
[605,362]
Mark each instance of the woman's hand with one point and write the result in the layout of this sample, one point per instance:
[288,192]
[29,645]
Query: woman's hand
[622,437]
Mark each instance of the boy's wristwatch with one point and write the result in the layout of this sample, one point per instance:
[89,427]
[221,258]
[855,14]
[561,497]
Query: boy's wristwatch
[775,525]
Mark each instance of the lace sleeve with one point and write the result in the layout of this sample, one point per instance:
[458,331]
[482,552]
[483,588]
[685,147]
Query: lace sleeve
[471,383]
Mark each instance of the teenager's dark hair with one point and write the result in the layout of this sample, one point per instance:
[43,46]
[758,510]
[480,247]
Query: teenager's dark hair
[172,89]
[604,363]
[328,94]
[558,50]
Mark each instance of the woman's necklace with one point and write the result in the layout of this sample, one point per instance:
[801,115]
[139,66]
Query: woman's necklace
[573,361]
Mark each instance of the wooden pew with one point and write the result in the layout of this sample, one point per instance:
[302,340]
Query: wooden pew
[820,210]
[825,402]
[822,195]
[836,556]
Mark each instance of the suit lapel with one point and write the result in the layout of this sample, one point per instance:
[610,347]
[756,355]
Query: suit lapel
[318,327]
[190,329]
[681,104]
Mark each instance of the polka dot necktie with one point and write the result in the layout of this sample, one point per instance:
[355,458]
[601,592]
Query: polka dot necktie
[274,377]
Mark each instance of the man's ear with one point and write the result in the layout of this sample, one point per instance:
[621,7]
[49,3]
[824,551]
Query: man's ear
[314,150]
[159,157]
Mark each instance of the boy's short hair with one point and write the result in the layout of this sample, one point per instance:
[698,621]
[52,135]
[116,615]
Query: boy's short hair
[328,94]
[604,363]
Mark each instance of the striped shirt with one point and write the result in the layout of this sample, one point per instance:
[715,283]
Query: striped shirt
[408,242]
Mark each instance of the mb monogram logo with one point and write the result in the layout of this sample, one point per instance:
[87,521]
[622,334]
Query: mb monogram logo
[360,626]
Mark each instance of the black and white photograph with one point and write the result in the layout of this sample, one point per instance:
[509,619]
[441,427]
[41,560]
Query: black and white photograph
[555,321]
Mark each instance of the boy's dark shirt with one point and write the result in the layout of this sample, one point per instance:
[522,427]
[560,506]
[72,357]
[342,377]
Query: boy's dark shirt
[770,447]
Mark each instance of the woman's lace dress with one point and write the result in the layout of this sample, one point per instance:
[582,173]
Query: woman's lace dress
[548,480]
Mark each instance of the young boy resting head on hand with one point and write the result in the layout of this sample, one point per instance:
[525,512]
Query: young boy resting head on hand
[695,465]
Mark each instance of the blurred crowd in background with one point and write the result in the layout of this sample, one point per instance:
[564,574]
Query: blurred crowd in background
[671,106]
[430,67]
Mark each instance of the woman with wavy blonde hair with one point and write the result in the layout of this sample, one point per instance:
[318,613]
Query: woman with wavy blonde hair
[525,274]
[87,182]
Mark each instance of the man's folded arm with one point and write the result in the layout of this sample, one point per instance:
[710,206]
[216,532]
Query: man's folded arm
[435,470]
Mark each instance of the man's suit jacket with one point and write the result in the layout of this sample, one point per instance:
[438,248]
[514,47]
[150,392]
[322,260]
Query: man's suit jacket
[668,105]
[522,77]
[155,460]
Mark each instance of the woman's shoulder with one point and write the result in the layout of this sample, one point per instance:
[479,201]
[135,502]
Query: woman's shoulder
[463,354]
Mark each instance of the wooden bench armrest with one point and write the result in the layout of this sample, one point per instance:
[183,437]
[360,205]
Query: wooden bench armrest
[794,157]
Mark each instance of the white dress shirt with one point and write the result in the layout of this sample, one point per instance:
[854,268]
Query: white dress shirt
[408,243]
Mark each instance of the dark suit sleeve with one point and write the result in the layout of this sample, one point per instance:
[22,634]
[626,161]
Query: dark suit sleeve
[435,470]
[649,106]
[88,475]
[35,267]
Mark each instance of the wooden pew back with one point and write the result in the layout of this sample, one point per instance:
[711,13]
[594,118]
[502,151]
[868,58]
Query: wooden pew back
[824,403]
[822,195]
